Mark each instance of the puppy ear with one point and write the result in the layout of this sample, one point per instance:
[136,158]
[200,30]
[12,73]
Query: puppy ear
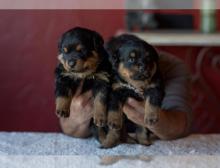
[60,45]
[98,41]
[112,48]
[155,54]
[152,51]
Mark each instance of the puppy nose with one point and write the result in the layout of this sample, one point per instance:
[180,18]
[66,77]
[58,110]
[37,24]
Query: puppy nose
[72,63]
[141,68]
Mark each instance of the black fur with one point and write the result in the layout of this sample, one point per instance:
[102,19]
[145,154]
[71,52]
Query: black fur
[118,49]
[91,41]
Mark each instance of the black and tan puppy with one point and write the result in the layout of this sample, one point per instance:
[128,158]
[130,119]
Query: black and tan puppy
[136,74]
[82,57]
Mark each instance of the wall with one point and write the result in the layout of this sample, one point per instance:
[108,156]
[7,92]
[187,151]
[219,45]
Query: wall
[28,46]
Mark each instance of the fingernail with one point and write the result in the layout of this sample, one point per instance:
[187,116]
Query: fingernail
[130,100]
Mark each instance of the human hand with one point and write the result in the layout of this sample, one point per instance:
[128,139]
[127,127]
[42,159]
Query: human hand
[135,112]
[81,107]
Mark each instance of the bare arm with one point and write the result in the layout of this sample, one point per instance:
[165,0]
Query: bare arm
[171,124]
[77,124]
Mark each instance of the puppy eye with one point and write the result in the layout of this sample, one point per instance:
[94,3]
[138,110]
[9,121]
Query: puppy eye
[65,50]
[131,59]
[79,48]
[148,59]
[133,54]
[147,54]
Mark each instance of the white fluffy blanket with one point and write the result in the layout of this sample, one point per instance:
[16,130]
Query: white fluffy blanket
[57,150]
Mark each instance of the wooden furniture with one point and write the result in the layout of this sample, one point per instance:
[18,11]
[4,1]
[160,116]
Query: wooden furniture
[180,38]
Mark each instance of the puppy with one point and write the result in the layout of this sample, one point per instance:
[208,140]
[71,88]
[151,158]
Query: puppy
[82,57]
[135,74]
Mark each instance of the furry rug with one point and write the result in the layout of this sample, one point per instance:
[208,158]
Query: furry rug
[56,150]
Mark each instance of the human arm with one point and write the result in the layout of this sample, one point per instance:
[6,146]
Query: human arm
[171,124]
[175,114]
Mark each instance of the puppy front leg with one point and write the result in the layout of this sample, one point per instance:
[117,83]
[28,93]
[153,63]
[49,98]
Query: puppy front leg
[153,102]
[143,136]
[112,139]
[63,106]
[115,114]
[64,92]
[63,99]
[151,113]
[100,109]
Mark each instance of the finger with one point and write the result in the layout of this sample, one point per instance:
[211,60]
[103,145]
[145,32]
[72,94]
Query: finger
[82,100]
[88,112]
[137,105]
[79,89]
[88,109]
[128,110]
[133,115]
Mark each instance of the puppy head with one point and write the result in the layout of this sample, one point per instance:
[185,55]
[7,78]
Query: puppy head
[132,58]
[78,50]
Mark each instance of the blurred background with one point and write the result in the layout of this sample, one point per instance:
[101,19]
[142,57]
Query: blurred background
[28,46]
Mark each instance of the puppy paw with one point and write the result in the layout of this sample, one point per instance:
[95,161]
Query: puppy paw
[106,145]
[99,120]
[114,120]
[63,113]
[151,113]
[63,106]
[151,118]
[100,109]
[112,139]
[145,142]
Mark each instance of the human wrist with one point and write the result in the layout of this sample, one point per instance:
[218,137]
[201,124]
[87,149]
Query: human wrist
[74,128]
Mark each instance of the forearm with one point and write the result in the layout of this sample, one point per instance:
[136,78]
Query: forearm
[75,129]
[171,125]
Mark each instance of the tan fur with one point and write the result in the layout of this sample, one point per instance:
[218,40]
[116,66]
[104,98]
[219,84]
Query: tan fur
[124,72]
[112,138]
[116,86]
[92,61]
[100,110]
[126,75]
[63,104]
[153,70]
[132,54]
[79,65]
[115,119]
[79,47]
[102,76]
[89,65]
[63,62]
[81,75]
[65,50]
[138,85]
[142,137]
[101,134]
[152,85]
[60,58]
[151,111]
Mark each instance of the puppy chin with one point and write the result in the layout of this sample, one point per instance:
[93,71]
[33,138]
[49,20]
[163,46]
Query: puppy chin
[140,76]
